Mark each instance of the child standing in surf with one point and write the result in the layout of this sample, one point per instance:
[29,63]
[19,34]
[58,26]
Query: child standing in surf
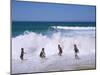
[60,50]
[22,54]
[76,50]
[42,53]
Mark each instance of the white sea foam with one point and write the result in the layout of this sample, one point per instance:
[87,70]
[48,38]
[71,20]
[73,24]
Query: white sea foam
[73,28]
[33,43]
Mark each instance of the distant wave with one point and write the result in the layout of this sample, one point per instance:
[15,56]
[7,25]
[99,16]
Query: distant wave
[73,28]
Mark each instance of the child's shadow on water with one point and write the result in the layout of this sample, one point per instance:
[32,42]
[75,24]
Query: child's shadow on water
[23,60]
[43,60]
[77,58]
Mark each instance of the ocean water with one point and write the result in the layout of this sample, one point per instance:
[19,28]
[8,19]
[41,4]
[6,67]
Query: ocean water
[44,27]
[33,36]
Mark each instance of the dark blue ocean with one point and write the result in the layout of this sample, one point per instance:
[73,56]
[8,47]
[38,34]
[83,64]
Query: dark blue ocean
[19,27]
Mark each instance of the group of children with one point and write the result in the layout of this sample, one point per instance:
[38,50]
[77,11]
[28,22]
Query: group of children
[43,54]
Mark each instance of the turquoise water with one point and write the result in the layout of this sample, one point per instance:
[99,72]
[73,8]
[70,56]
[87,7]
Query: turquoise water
[19,27]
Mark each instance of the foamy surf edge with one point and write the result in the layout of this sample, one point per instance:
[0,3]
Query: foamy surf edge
[73,28]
